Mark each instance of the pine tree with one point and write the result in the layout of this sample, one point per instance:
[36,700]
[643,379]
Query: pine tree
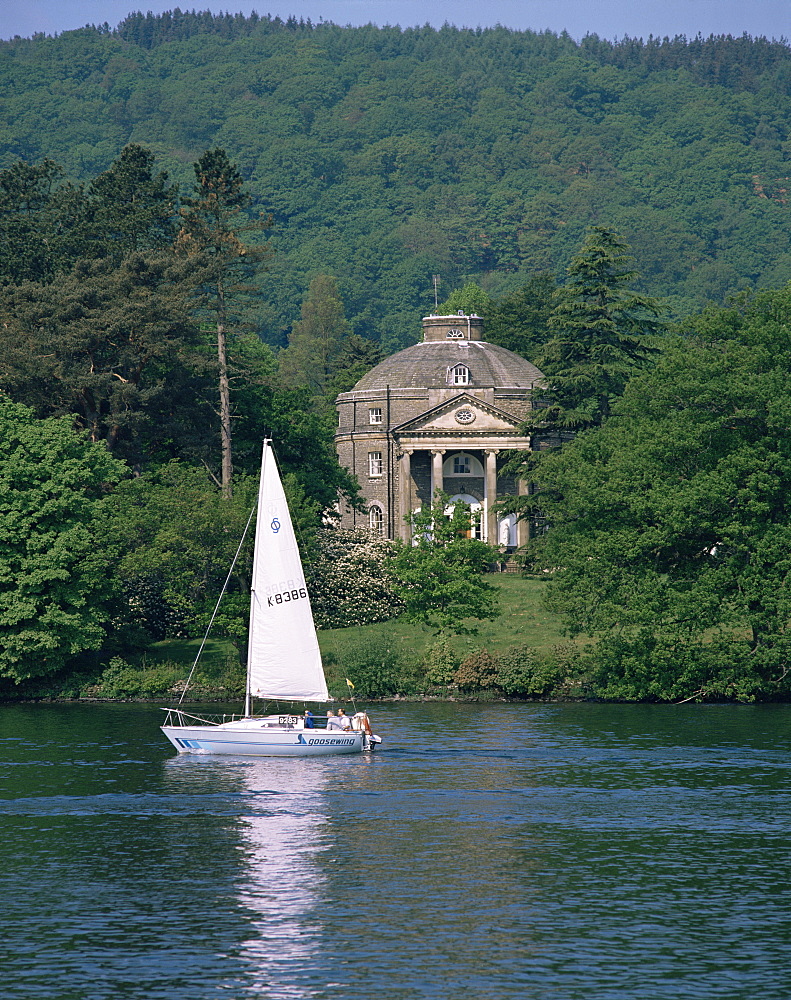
[42,222]
[599,332]
[598,337]
[130,207]
[317,340]
[215,222]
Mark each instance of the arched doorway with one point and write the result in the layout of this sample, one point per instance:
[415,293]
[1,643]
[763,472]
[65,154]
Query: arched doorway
[476,508]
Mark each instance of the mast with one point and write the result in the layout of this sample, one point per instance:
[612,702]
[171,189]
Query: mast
[248,698]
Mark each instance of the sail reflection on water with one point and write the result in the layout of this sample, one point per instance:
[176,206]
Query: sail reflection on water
[275,823]
[283,830]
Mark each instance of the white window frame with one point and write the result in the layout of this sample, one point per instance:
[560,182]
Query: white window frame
[457,461]
[460,375]
[375,415]
[375,465]
[376,519]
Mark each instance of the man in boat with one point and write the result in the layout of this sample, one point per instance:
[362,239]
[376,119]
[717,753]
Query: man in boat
[332,721]
[343,718]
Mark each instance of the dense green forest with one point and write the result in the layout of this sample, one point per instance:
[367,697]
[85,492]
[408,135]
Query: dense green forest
[386,155]
[211,225]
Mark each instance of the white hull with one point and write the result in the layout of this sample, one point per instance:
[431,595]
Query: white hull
[242,739]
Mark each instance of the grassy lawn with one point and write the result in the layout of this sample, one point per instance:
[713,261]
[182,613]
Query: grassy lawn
[523,621]
[215,659]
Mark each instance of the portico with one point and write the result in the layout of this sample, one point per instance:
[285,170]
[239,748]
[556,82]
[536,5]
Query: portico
[438,416]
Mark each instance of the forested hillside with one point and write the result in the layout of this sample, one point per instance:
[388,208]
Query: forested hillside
[386,156]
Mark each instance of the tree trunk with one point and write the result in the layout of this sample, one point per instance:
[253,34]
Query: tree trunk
[226,477]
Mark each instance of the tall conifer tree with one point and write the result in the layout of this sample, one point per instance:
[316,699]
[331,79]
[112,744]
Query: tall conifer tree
[215,223]
[598,336]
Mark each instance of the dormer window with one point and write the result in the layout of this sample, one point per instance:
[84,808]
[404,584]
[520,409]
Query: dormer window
[460,375]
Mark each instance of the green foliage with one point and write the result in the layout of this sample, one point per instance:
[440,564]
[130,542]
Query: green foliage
[177,537]
[389,155]
[315,342]
[520,320]
[215,236]
[304,445]
[349,581]
[521,672]
[37,222]
[113,345]
[120,680]
[597,342]
[129,208]
[670,522]
[478,670]
[377,672]
[356,357]
[439,577]
[471,299]
[55,557]
[219,227]
[441,664]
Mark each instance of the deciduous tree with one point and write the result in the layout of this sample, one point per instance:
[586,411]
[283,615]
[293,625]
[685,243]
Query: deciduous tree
[55,562]
[439,577]
[670,523]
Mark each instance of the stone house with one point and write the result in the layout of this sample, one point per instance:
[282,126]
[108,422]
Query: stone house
[436,416]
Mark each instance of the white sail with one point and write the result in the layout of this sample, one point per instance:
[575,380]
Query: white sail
[283,658]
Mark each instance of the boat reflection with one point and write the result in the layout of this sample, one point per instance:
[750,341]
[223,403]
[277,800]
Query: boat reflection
[284,829]
[281,826]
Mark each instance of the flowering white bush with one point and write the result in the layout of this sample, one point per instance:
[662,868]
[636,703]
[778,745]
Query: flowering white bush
[348,579]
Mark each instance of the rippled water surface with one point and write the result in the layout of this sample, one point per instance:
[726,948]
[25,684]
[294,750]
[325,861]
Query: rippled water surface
[489,852]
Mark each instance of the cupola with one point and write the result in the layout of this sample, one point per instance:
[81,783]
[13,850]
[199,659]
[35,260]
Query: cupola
[450,328]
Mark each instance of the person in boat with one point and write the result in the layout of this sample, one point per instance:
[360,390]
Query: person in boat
[333,722]
[360,722]
[308,719]
[343,718]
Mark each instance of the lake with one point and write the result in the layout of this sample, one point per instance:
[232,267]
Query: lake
[487,852]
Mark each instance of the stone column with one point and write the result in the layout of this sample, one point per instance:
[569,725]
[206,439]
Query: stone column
[522,526]
[404,527]
[437,481]
[491,496]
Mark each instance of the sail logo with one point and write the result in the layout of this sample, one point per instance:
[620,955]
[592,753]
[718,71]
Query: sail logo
[275,525]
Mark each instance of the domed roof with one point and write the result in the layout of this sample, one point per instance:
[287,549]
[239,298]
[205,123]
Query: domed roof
[429,364]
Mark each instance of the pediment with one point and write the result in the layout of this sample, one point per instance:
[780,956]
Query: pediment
[462,413]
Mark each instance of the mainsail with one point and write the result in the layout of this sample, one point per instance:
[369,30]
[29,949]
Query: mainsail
[283,657]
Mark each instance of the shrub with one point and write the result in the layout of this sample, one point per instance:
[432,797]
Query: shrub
[348,582]
[120,680]
[161,615]
[380,673]
[521,672]
[440,663]
[479,670]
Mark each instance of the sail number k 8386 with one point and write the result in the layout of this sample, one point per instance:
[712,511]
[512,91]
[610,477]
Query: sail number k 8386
[285,596]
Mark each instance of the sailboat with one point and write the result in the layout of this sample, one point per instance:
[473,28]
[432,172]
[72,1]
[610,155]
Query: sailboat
[283,656]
